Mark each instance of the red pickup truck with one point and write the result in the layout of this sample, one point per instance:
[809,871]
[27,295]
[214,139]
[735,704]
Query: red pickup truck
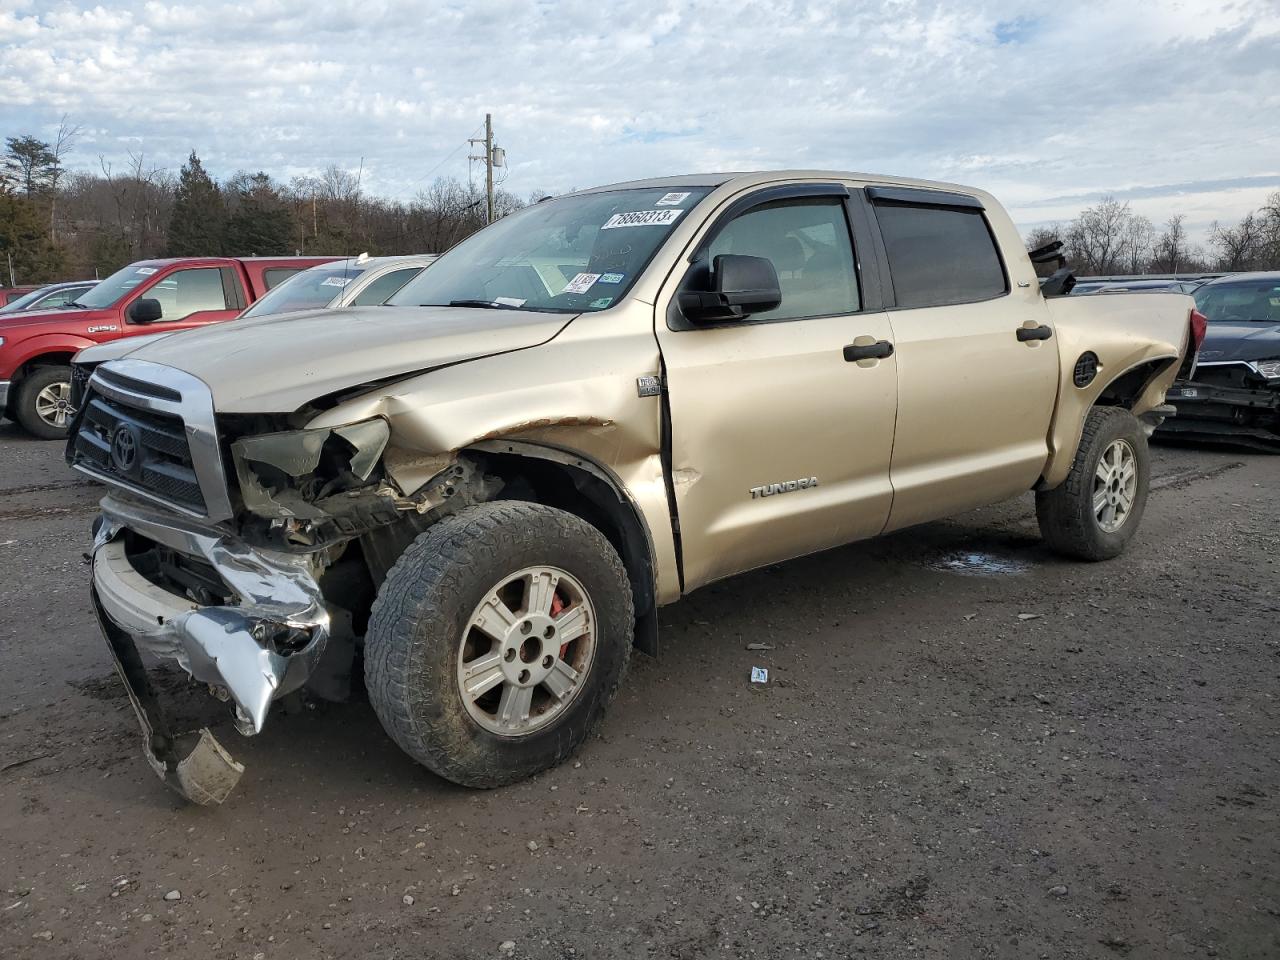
[149,296]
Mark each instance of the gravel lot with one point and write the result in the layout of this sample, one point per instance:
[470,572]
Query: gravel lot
[967,748]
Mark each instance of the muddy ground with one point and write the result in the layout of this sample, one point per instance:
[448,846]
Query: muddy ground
[967,748]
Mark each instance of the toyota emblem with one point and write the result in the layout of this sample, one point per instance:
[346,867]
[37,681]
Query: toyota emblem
[124,448]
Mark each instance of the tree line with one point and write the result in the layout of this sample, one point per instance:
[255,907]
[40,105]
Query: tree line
[1109,239]
[57,223]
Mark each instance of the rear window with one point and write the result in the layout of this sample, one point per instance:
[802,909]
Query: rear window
[276,275]
[940,255]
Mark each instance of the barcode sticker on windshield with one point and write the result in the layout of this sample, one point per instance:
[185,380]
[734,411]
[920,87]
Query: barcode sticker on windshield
[672,200]
[581,283]
[145,271]
[335,281]
[642,218]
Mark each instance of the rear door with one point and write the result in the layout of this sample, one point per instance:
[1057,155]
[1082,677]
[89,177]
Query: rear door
[977,366]
[779,445]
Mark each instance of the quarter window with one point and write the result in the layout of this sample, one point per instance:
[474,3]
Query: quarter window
[378,290]
[808,243]
[940,255]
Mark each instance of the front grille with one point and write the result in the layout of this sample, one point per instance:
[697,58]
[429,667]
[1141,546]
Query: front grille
[142,449]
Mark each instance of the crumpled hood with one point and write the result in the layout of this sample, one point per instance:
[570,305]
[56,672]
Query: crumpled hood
[275,364]
[1240,341]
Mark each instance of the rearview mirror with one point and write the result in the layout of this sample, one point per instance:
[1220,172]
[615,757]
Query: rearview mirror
[743,286]
[145,310]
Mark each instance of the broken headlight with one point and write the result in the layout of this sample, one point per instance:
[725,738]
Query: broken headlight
[289,474]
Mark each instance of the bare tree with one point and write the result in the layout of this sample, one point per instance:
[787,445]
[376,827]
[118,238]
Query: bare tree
[1096,238]
[1239,247]
[67,135]
[1172,249]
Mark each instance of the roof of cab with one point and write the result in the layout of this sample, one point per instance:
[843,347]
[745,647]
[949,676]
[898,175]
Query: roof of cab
[752,178]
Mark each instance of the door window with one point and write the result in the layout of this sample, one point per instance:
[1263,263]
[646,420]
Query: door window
[940,255]
[808,243]
[189,291]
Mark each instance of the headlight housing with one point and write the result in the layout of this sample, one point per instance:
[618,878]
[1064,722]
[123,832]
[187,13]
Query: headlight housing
[1268,368]
[290,474]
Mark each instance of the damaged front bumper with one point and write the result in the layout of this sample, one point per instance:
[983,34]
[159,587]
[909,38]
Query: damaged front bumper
[1238,415]
[262,644]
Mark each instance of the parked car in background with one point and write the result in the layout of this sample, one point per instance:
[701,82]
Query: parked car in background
[53,295]
[357,282]
[1137,285]
[481,495]
[36,346]
[1234,392]
[10,294]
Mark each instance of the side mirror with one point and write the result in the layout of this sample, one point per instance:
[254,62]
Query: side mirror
[743,286]
[145,310]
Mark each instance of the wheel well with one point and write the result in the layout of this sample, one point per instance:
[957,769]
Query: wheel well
[580,487]
[24,371]
[1125,389]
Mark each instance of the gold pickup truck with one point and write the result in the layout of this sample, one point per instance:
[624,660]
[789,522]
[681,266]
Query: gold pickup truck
[480,494]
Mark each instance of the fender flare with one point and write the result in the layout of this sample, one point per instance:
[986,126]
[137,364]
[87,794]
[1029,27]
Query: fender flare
[638,550]
[35,347]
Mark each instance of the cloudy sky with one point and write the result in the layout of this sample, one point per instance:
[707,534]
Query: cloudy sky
[1171,104]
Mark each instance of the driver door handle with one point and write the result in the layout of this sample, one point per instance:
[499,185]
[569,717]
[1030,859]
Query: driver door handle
[1041,332]
[871,351]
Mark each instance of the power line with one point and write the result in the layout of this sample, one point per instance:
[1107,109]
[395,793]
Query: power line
[451,155]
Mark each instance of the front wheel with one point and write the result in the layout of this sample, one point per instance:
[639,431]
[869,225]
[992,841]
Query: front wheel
[497,641]
[43,402]
[1095,512]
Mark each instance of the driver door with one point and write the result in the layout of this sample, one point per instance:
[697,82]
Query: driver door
[193,297]
[779,445]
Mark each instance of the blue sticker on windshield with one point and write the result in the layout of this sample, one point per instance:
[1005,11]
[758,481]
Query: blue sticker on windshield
[611,278]
[601,303]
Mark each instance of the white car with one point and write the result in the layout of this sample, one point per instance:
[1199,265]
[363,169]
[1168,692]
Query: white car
[362,281]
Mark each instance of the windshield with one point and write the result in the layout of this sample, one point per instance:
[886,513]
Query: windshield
[116,286]
[577,254]
[307,290]
[1252,301]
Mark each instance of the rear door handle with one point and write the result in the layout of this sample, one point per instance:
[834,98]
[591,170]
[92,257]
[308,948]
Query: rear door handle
[871,351]
[1041,332]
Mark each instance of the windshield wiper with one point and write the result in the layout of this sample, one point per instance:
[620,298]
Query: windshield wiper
[483,304]
[77,304]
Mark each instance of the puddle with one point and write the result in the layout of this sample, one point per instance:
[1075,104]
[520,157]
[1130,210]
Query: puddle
[977,564]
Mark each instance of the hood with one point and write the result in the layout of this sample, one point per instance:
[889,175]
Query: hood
[276,364]
[64,320]
[1240,341]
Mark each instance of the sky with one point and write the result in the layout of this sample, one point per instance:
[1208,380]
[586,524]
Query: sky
[1173,105]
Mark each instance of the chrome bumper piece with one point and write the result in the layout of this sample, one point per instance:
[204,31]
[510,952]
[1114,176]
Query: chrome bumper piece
[227,646]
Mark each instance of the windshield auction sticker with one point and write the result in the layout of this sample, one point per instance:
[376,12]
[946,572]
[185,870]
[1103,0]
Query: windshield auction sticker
[335,281]
[672,199]
[642,218]
[581,283]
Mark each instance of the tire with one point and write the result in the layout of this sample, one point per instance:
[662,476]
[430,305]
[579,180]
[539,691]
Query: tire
[35,393]
[1070,522]
[422,629]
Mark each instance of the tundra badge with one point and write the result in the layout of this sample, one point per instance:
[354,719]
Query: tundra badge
[769,489]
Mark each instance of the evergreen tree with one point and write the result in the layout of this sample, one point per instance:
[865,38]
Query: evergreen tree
[25,238]
[198,223]
[30,164]
[261,224]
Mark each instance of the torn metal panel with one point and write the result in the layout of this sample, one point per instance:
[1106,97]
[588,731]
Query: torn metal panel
[259,649]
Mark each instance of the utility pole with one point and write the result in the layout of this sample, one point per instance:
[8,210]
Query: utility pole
[488,164]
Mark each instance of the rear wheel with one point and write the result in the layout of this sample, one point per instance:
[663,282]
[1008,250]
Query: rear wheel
[1095,512]
[497,641]
[43,402]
